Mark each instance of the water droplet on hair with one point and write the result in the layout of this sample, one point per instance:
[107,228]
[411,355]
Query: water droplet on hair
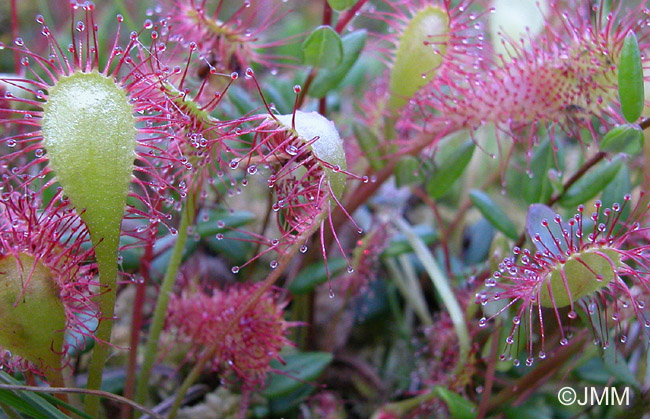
[572,314]
[332,293]
[219,236]
[252,169]
[235,269]
[564,341]
[234,163]
[291,150]
[273,264]
[303,249]
[350,269]
[482,322]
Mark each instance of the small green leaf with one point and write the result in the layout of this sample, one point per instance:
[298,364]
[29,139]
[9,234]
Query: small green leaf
[615,364]
[478,237]
[627,138]
[590,184]
[538,188]
[298,368]
[406,171]
[399,245]
[459,407]
[613,193]
[630,79]
[315,274]
[34,400]
[493,213]
[222,221]
[323,48]
[450,170]
[339,5]
[241,99]
[328,79]
[369,143]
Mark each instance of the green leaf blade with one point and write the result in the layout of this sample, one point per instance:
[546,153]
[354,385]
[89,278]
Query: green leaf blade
[630,79]
[329,79]
[450,170]
[590,184]
[323,48]
[493,213]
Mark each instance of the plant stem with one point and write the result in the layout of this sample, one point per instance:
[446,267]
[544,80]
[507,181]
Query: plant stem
[349,15]
[158,321]
[136,325]
[441,284]
[106,255]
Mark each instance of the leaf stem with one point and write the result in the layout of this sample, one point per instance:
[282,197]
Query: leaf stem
[158,321]
[106,255]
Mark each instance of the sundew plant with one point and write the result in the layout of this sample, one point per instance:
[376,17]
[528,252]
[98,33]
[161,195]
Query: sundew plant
[324,209]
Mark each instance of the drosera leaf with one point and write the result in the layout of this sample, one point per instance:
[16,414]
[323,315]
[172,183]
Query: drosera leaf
[299,368]
[323,48]
[493,213]
[630,79]
[415,59]
[450,170]
[626,138]
[328,79]
[590,184]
